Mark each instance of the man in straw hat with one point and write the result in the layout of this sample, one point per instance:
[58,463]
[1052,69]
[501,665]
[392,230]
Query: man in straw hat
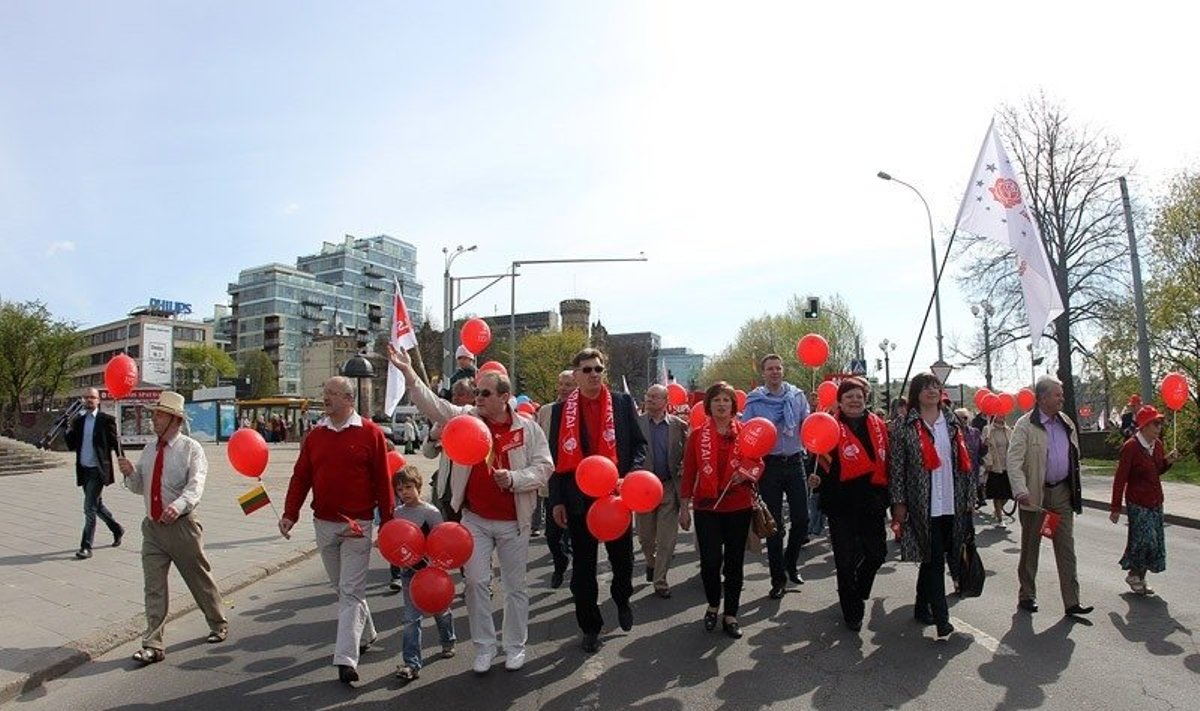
[170,475]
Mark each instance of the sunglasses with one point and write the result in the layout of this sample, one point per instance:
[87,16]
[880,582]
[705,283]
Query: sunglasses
[482,392]
[589,369]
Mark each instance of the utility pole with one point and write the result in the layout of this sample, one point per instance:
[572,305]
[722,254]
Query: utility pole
[1139,300]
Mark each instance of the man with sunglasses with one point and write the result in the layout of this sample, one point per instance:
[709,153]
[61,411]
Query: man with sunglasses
[496,498]
[593,420]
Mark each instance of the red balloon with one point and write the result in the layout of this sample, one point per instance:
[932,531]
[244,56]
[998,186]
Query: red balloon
[248,452]
[641,491]
[526,407]
[1174,390]
[820,433]
[698,416]
[431,590]
[449,545]
[1006,404]
[990,405]
[826,395]
[120,376]
[980,394]
[466,440]
[493,366]
[812,350]
[676,395]
[395,461]
[401,542]
[741,399]
[596,475]
[1026,399]
[756,438]
[476,335]
[608,518]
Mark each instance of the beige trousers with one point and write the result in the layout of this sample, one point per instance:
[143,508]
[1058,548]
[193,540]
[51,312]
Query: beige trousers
[657,532]
[181,543]
[1058,500]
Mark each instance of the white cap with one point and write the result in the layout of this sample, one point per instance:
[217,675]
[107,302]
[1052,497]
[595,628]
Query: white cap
[462,352]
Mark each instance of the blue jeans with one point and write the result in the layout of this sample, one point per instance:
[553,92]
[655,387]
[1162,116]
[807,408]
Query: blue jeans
[410,616]
[93,506]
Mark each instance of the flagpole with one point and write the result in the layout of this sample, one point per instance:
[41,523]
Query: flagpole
[928,308]
[269,501]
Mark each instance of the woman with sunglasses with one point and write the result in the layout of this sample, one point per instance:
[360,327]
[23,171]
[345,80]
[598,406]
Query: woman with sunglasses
[932,485]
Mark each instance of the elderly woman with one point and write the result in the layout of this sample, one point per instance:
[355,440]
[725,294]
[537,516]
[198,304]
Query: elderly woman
[996,487]
[932,486]
[1138,480]
[853,482]
[719,485]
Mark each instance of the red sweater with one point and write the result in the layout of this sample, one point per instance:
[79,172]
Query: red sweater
[738,498]
[1137,479]
[347,473]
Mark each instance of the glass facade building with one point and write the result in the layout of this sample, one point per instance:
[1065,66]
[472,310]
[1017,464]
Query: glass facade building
[345,289]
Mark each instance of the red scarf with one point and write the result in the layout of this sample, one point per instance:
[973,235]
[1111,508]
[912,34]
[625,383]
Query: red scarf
[570,446]
[854,460]
[929,456]
[711,478]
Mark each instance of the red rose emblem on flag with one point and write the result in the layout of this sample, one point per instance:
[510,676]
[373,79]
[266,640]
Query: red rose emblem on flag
[1007,192]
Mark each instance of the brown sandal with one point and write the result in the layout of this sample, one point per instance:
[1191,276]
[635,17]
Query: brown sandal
[217,636]
[148,655]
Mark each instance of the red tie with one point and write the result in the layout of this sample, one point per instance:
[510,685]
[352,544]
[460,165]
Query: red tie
[156,507]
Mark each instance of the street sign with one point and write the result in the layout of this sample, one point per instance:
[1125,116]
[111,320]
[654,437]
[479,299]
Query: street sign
[858,366]
[941,371]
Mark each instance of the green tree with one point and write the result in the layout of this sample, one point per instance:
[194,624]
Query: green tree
[260,369]
[200,367]
[779,333]
[542,356]
[56,351]
[36,353]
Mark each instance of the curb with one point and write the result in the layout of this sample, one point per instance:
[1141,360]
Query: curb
[1172,519]
[57,662]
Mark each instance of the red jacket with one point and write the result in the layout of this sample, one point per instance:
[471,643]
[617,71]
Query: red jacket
[347,473]
[1138,475]
[739,497]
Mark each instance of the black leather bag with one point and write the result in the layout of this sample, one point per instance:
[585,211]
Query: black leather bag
[971,572]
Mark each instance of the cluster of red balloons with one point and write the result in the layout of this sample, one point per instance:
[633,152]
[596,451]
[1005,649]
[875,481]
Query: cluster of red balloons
[610,515]
[1174,390]
[466,440]
[448,546]
[120,376]
[1000,404]
[248,452]
[476,335]
[812,350]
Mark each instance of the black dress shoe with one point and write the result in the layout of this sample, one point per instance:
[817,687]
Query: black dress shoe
[347,674]
[854,625]
[591,643]
[556,579]
[1030,605]
[925,617]
[731,629]
[944,629]
[649,574]
[710,620]
[117,538]
[794,576]
[625,617]
[776,592]
[1078,609]
[83,553]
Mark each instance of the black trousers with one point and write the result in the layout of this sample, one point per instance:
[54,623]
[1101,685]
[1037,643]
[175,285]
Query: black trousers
[859,542]
[585,551]
[785,477]
[721,540]
[556,540]
[931,579]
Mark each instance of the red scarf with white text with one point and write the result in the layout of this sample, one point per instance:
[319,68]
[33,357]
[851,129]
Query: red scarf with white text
[853,456]
[570,445]
[929,456]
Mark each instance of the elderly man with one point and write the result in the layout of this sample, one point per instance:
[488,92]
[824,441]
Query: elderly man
[556,538]
[92,435]
[343,462]
[786,406]
[593,421]
[1043,468]
[657,530]
[170,476]
[496,498]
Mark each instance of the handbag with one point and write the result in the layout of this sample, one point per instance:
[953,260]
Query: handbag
[971,572]
[761,521]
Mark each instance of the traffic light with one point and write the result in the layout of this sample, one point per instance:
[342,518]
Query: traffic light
[814,308]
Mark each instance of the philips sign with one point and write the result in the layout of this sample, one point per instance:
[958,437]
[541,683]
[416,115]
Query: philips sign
[171,307]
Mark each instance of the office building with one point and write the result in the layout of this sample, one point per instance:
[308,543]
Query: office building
[150,335]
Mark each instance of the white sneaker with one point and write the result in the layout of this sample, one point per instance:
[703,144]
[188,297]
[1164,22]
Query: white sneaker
[514,661]
[483,661]
[1135,584]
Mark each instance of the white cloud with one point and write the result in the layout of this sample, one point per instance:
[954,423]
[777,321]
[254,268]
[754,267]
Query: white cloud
[292,208]
[60,246]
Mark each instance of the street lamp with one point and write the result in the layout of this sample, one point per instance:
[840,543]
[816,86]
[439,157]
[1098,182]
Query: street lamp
[360,369]
[984,310]
[887,347]
[512,315]
[448,307]
[937,301]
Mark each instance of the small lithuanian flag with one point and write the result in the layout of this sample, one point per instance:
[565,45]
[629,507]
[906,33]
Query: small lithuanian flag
[254,500]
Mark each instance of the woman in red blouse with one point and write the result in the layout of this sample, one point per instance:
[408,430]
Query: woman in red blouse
[718,484]
[1138,481]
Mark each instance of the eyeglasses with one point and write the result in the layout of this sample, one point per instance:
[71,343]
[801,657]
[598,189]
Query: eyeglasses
[482,392]
[589,369]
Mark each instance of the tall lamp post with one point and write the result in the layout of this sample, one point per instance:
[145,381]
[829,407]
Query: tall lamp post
[360,369]
[984,310]
[937,299]
[512,315]
[887,347]
[448,307]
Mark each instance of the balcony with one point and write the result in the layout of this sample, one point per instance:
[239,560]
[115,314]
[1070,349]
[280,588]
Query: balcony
[312,314]
[374,285]
[374,271]
[311,300]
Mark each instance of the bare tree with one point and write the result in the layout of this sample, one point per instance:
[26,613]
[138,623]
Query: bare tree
[1071,182]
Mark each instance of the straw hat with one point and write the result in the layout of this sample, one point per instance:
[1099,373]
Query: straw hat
[170,403]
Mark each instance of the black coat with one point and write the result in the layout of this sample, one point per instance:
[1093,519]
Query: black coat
[104,440]
[631,451]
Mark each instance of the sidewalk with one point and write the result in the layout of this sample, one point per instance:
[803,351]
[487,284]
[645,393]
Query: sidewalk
[1181,502]
[57,612]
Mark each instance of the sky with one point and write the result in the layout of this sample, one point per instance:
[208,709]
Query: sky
[155,149]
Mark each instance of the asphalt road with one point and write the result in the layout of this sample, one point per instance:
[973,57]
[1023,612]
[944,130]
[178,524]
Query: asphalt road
[1135,653]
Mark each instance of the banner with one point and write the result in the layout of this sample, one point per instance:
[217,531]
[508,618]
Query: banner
[158,353]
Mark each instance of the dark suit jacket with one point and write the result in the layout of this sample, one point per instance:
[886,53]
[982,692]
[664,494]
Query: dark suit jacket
[104,441]
[631,452]
[676,439]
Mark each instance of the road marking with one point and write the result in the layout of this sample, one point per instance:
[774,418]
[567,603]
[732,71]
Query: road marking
[984,639]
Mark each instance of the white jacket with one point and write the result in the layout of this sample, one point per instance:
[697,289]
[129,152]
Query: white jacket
[530,463]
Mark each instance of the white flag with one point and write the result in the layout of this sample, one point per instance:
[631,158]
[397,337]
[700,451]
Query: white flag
[994,207]
[403,337]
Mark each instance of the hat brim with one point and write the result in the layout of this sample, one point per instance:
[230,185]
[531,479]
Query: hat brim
[169,411]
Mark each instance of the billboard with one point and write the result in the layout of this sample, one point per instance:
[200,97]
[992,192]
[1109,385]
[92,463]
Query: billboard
[157,353]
